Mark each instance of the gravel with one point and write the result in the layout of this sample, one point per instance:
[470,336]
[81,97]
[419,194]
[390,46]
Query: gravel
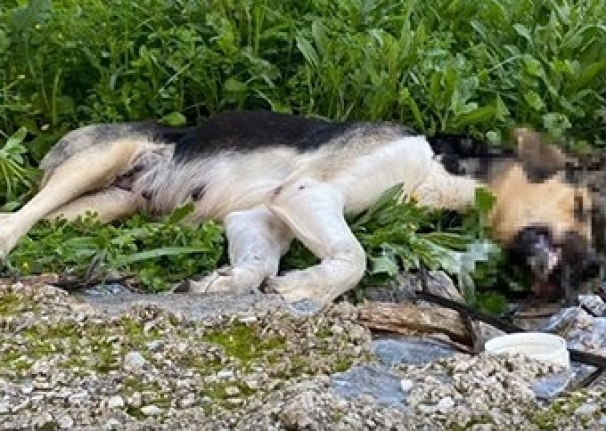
[70,364]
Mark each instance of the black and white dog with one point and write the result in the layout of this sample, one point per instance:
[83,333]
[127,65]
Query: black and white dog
[270,178]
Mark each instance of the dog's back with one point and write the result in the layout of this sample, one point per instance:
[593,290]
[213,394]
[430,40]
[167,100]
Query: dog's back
[235,160]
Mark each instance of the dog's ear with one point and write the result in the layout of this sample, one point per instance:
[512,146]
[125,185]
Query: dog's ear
[540,159]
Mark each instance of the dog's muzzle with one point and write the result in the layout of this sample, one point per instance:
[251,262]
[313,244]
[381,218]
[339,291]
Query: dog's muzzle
[558,268]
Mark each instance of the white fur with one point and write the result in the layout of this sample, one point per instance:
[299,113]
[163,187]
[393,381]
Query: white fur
[236,182]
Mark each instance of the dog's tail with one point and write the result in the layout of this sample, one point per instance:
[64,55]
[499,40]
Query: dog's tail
[99,135]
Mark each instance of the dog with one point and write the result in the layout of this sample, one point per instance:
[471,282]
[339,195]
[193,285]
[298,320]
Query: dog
[270,178]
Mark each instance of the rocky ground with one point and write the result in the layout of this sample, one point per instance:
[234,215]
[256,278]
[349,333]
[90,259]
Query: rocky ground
[183,362]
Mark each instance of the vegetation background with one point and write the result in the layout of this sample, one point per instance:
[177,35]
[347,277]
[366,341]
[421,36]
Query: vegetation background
[439,66]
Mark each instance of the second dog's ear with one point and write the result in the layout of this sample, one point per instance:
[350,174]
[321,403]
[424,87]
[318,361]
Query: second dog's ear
[541,160]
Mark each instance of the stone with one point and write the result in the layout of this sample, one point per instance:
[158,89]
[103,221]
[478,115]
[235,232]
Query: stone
[65,422]
[445,404]
[112,425]
[413,351]
[298,413]
[133,361]
[232,391]
[151,410]
[115,402]
[406,384]
[188,401]
[369,380]
[587,409]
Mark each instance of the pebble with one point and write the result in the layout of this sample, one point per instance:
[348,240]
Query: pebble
[44,421]
[445,405]
[27,388]
[151,410]
[406,384]
[188,401]
[154,345]
[225,375]
[252,384]
[65,422]
[115,402]
[133,361]
[112,424]
[248,320]
[135,400]
[588,409]
[232,391]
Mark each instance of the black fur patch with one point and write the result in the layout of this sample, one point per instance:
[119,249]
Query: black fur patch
[458,145]
[457,152]
[247,131]
[452,164]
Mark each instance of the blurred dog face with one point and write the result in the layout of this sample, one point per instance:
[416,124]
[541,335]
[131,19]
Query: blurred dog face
[548,221]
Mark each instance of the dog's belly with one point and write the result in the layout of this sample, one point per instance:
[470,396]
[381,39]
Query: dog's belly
[217,185]
[234,181]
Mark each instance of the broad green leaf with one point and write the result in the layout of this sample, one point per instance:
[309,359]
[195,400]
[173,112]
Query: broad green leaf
[15,140]
[234,86]
[383,264]
[308,51]
[524,32]
[174,119]
[589,73]
[534,100]
[479,115]
[156,253]
[178,215]
[484,200]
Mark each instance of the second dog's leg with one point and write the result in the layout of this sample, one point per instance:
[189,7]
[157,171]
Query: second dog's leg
[256,241]
[81,173]
[314,212]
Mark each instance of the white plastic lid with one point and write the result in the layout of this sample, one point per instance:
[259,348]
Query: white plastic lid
[537,345]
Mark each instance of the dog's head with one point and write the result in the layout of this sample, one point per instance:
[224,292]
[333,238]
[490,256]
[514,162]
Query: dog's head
[547,217]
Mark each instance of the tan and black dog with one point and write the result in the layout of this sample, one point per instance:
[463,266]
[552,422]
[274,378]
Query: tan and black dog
[270,178]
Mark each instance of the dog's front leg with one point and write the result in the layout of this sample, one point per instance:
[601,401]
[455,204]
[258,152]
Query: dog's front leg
[256,241]
[314,212]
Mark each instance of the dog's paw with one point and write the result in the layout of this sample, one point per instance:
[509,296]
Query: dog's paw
[224,280]
[8,236]
[301,296]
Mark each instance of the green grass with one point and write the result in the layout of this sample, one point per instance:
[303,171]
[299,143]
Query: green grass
[440,66]
[153,253]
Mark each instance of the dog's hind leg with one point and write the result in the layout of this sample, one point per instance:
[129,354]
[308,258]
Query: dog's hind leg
[314,212]
[256,241]
[111,203]
[83,172]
